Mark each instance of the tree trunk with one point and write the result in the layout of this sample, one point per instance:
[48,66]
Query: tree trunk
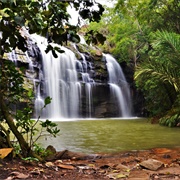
[5,135]
[26,150]
[10,122]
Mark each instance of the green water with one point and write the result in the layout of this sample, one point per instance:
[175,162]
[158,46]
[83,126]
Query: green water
[94,136]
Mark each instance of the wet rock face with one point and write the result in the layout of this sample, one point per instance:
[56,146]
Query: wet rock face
[34,52]
[102,104]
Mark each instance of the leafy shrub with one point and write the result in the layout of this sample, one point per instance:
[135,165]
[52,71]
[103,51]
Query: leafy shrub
[171,121]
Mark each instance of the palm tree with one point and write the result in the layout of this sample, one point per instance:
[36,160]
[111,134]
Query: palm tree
[161,74]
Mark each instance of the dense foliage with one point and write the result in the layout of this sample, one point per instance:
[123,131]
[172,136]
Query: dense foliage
[146,35]
[50,19]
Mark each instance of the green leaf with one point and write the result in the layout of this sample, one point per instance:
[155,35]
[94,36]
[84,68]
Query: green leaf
[47,100]
[49,48]
[54,53]
[30,93]
[30,159]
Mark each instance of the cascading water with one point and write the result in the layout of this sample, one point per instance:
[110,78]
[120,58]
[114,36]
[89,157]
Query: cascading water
[78,87]
[60,82]
[89,82]
[119,86]
[39,102]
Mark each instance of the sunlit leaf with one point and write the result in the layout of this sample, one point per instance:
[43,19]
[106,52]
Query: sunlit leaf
[4,152]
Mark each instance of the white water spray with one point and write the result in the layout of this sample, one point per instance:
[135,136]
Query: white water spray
[61,82]
[119,86]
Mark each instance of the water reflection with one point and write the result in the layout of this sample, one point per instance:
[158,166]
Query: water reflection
[93,136]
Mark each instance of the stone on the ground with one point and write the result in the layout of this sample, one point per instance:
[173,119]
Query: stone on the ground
[151,164]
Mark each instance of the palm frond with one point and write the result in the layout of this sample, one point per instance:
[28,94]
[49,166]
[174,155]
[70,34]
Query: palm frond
[169,41]
[161,72]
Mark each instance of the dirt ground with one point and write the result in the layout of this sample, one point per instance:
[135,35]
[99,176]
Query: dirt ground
[75,166]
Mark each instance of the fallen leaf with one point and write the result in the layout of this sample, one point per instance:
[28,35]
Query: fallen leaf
[115,171]
[49,164]
[83,167]
[22,176]
[4,152]
[65,166]
[118,175]
[121,176]
[91,165]
[18,175]
[58,161]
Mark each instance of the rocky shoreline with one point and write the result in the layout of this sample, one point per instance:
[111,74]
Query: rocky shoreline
[157,163]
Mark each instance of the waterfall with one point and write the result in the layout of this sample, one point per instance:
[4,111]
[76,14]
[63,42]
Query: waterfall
[60,82]
[89,82]
[119,86]
[79,88]
[39,102]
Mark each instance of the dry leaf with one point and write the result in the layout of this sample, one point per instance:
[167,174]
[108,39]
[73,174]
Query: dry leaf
[117,175]
[91,165]
[49,164]
[4,152]
[17,175]
[65,166]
